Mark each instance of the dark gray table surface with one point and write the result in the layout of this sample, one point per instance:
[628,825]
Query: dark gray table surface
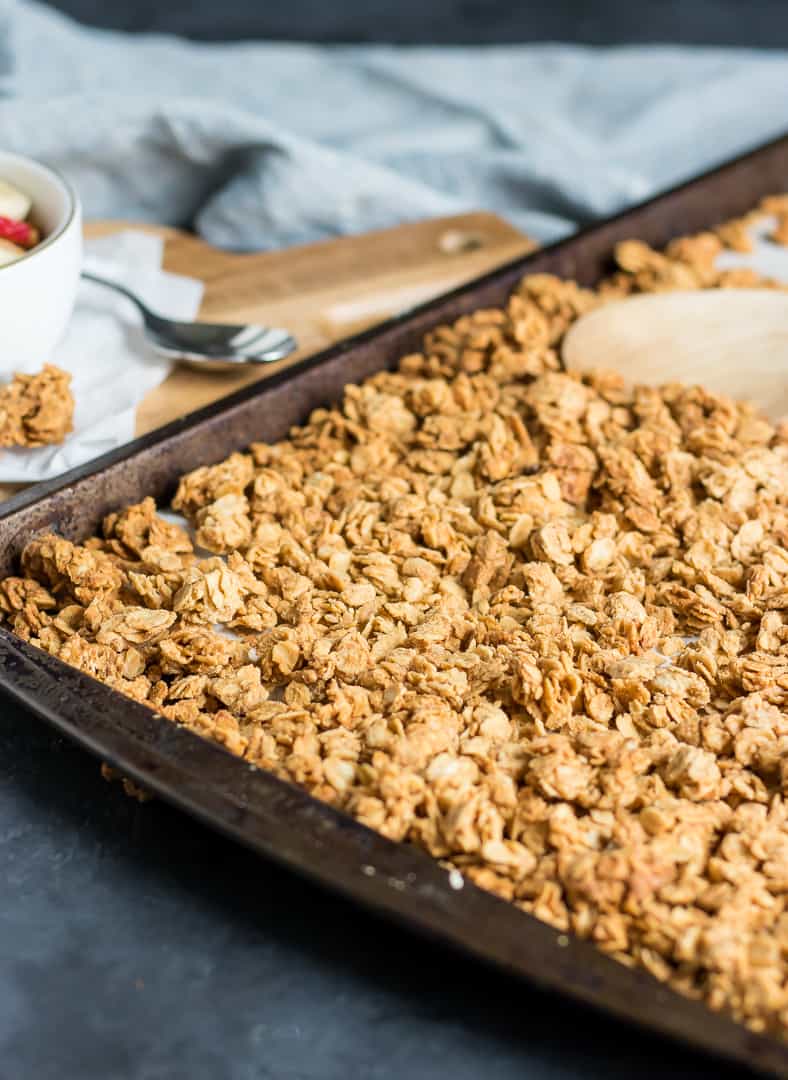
[137,945]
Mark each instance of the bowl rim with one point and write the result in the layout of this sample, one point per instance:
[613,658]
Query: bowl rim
[71,195]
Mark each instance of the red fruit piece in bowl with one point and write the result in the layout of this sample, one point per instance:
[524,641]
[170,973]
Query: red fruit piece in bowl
[18,232]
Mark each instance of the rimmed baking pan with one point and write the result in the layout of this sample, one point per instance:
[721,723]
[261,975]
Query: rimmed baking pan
[276,818]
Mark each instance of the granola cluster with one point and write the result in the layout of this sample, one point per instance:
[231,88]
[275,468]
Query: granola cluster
[36,410]
[533,623]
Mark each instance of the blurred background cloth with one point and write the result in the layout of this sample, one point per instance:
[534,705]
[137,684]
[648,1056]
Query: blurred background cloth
[261,145]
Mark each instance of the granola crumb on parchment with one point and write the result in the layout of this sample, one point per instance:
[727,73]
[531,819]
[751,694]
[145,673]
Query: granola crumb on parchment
[533,623]
[36,410]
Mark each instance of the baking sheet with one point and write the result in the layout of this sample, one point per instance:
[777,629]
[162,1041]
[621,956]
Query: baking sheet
[276,818]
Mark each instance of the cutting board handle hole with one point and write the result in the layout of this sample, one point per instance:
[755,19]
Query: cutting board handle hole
[459,242]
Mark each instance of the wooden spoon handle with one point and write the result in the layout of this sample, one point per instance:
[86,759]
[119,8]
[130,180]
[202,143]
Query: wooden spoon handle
[732,341]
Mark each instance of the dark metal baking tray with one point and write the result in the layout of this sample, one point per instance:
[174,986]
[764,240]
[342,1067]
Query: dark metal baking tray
[275,818]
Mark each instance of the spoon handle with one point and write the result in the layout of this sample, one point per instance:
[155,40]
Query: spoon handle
[147,313]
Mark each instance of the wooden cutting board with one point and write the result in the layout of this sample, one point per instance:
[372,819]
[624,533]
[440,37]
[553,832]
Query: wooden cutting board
[320,292]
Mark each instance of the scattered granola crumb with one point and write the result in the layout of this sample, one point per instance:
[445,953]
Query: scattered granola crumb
[36,410]
[533,623]
[132,789]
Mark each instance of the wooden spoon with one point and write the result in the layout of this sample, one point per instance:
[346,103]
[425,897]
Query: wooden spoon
[731,341]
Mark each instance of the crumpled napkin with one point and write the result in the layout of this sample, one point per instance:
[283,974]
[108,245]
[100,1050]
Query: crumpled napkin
[111,364]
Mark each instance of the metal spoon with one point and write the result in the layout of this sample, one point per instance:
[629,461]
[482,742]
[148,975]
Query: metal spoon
[208,346]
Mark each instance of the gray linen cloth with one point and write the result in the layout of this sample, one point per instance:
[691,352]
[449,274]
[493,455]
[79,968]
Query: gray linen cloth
[264,145]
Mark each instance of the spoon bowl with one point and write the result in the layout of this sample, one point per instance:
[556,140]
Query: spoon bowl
[207,346]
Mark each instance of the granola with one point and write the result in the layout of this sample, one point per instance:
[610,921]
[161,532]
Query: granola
[535,624]
[36,410]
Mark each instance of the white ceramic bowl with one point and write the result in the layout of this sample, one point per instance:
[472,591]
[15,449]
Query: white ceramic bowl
[37,292]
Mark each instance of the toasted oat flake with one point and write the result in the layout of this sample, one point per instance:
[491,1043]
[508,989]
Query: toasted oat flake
[533,623]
